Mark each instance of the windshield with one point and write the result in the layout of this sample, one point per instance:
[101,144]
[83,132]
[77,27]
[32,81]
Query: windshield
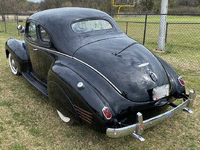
[90,25]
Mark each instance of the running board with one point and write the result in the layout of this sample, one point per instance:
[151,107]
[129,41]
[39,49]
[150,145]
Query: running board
[42,88]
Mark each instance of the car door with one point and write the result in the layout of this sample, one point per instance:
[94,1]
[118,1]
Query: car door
[39,46]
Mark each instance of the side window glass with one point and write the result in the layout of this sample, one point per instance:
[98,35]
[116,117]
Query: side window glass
[44,36]
[32,31]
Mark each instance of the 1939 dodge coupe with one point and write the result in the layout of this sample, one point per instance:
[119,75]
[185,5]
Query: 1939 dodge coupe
[95,74]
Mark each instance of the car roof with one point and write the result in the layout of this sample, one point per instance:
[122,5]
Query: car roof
[58,22]
[72,13]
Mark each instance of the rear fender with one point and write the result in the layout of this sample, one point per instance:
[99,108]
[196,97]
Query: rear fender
[86,98]
[19,53]
[61,101]
[173,76]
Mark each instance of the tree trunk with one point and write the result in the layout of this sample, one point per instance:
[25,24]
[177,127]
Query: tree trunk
[3,18]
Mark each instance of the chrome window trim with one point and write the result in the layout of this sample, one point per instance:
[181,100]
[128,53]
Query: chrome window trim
[46,49]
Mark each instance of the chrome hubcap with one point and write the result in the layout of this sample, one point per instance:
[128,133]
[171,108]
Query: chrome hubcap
[12,65]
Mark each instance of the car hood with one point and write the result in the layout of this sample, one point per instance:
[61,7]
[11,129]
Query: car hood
[127,64]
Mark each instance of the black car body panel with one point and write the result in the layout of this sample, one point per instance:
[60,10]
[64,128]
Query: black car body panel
[18,48]
[19,51]
[84,74]
[124,62]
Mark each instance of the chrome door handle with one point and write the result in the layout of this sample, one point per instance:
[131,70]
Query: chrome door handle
[35,49]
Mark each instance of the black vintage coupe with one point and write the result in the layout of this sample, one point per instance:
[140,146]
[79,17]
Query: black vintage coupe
[95,74]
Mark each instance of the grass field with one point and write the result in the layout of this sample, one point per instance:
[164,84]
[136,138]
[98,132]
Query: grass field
[28,121]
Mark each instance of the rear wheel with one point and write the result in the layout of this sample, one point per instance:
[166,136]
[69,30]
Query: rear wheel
[12,64]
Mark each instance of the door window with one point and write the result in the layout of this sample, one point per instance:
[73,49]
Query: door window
[44,35]
[32,31]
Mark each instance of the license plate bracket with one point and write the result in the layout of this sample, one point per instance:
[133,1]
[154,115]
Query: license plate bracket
[160,92]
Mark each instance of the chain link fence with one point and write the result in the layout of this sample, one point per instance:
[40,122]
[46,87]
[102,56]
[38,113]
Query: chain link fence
[9,22]
[182,30]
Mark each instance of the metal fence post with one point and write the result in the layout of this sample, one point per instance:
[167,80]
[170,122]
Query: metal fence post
[126,28]
[5,25]
[162,30]
[166,32]
[145,26]
[17,24]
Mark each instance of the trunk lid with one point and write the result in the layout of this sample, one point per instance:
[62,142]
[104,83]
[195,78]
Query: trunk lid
[132,68]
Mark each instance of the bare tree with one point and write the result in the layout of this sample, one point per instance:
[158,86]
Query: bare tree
[7,6]
[174,3]
[104,5]
[47,4]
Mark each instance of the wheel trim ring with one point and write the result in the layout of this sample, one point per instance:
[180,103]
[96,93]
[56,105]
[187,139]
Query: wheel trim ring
[13,69]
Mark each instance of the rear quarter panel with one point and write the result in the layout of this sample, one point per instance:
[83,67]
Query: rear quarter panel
[80,103]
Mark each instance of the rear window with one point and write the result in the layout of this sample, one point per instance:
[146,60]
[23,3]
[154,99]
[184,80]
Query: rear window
[90,25]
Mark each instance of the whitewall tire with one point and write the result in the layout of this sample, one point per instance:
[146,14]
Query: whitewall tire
[13,68]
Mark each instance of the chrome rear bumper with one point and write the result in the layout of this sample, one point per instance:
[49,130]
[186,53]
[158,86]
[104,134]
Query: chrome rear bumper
[137,129]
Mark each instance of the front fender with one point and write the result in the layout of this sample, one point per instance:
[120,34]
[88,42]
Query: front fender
[18,48]
[19,53]
[173,76]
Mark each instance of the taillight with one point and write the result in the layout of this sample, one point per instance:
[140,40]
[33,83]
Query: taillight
[180,79]
[107,113]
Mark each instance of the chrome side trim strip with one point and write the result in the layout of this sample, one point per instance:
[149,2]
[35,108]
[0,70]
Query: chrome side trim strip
[46,49]
[143,65]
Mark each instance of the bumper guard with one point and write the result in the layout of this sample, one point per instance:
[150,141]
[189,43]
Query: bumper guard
[137,129]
